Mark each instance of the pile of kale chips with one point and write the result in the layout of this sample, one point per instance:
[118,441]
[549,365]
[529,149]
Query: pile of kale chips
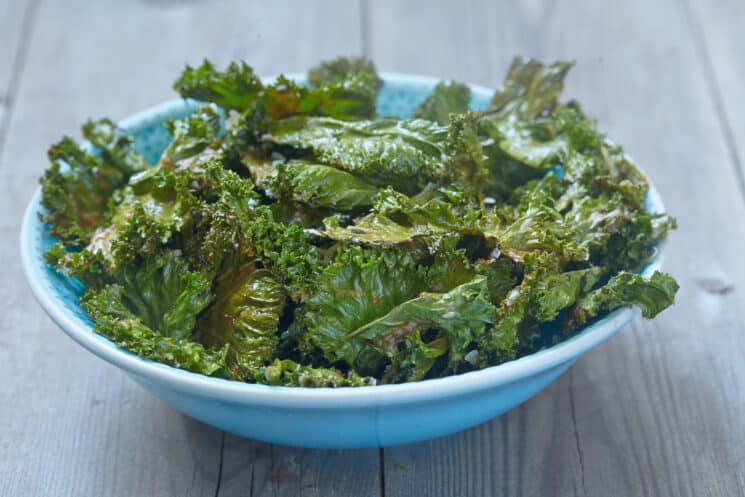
[289,235]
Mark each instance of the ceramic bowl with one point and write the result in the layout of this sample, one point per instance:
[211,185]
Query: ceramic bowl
[324,417]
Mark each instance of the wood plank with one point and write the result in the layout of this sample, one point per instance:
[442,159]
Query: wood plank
[16,19]
[716,29]
[12,14]
[72,424]
[656,408]
[263,470]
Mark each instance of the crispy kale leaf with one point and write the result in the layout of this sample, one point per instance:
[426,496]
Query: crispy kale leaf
[413,222]
[340,92]
[118,323]
[245,315]
[318,185]
[537,226]
[357,288]
[542,294]
[235,88]
[652,295]
[151,310]
[531,88]
[288,373]
[361,317]
[445,99]
[192,136]
[164,294]
[385,150]
[406,154]
[286,250]
[415,333]
[464,155]
[341,68]
[116,146]
[520,132]
[155,206]
[75,192]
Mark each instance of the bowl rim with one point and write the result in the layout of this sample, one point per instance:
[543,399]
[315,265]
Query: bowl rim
[304,397]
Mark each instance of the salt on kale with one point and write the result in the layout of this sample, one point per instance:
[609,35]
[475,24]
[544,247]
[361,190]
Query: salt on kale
[288,236]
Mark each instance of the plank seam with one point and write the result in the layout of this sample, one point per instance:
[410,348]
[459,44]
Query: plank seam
[381,472]
[577,444]
[19,63]
[715,93]
[219,466]
[253,472]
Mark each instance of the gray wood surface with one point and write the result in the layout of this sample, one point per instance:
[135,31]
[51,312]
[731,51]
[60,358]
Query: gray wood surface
[16,19]
[654,411]
[717,33]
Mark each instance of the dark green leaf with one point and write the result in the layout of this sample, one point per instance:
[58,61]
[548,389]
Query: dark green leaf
[445,99]
[406,153]
[652,295]
[235,88]
[115,321]
[245,315]
[75,192]
[316,185]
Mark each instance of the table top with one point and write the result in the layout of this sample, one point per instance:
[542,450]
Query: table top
[655,411]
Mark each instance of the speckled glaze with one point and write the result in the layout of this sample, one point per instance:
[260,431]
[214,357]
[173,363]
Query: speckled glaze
[326,418]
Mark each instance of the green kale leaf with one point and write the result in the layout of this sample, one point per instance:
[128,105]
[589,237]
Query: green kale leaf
[357,288]
[445,99]
[531,88]
[340,69]
[340,92]
[416,332]
[317,185]
[116,146]
[245,315]
[192,136]
[114,320]
[235,88]
[76,195]
[288,373]
[406,153]
[652,295]
[164,294]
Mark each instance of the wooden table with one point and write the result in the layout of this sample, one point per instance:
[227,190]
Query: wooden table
[657,410]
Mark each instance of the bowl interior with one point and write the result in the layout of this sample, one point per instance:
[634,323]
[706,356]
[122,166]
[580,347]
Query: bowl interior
[59,295]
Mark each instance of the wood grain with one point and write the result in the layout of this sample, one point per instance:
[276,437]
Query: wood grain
[717,34]
[12,23]
[72,424]
[16,23]
[654,409]
[261,470]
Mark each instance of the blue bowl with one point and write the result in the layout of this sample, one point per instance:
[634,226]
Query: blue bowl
[325,417]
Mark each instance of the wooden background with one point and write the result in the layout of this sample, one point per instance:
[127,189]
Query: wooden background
[655,411]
